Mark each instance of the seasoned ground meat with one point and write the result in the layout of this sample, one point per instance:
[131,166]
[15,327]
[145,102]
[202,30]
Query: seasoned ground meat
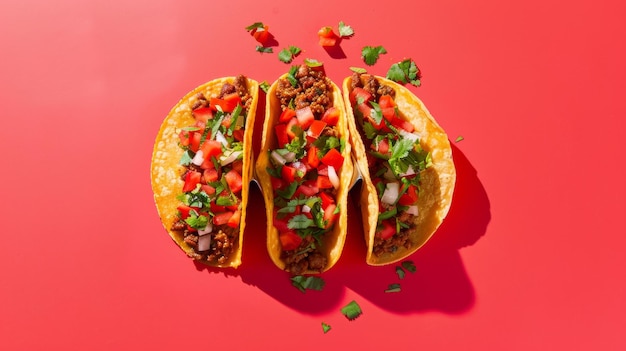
[304,258]
[201,101]
[392,244]
[241,86]
[227,88]
[372,86]
[313,89]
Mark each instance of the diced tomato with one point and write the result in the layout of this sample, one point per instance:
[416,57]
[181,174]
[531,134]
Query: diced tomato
[237,166]
[210,175]
[383,146]
[238,134]
[389,113]
[184,211]
[410,197]
[329,216]
[232,98]
[233,179]
[194,143]
[225,105]
[289,240]
[235,206]
[281,134]
[312,158]
[192,178]
[280,223]
[208,189]
[360,96]
[326,199]
[331,116]
[327,37]
[323,182]
[207,164]
[308,188]
[386,231]
[185,137]
[402,124]
[322,170]
[386,101]
[227,121]
[316,128]
[287,115]
[290,128]
[327,41]
[333,158]
[261,34]
[215,208]
[305,117]
[211,148]
[233,221]
[277,183]
[222,217]
[289,174]
[203,114]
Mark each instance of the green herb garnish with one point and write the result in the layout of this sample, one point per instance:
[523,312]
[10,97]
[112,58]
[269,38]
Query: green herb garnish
[264,50]
[311,282]
[459,138]
[370,54]
[393,288]
[358,70]
[312,62]
[264,86]
[400,272]
[409,266]
[345,30]
[352,310]
[325,327]
[405,72]
[286,55]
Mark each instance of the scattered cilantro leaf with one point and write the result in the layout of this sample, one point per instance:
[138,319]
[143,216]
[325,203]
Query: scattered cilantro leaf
[186,158]
[264,50]
[196,221]
[299,222]
[358,70]
[400,272]
[409,266]
[404,72]
[310,282]
[352,310]
[345,30]
[370,54]
[459,138]
[264,86]
[312,62]
[286,55]
[325,327]
[393,288]
[255,25]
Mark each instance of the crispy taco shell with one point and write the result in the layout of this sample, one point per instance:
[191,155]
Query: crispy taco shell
[334,240]
[166,171]
[437,181]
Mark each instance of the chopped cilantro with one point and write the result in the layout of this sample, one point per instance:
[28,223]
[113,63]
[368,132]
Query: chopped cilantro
[459,138]
[409,266]
[288,191]
[345,30]
[264,86]
[370,131]
[325,327]
[370,54]
[255,25]
[299,222]
[312,62]
[291,76]
[186,158]
[286,55]
[393,288]
[351,310]
[264,50]
[377,113]
[358,70]
[400,272]
[196,221]
[405,72]
[310,282]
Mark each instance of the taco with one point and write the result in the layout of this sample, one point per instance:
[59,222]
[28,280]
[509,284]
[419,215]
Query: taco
[202,166]
[405,161]
[304,169]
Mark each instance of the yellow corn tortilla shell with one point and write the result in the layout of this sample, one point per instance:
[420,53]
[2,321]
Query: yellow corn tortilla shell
[166,172]
[334,240]
[437,182]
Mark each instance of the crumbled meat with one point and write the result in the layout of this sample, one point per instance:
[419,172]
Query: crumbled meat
[392,244]
[385,90]
[227,88]
[330,131]
[313,90]
[179,226]
[371,85]
[201,101]
[304,258]
[241,86]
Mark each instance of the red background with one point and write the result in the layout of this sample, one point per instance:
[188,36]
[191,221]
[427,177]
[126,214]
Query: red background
[530,256]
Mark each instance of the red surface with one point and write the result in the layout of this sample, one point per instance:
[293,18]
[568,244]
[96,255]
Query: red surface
[530,257]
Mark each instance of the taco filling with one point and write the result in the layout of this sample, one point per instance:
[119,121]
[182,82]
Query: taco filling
[395,160]
[305,168]
[210,205]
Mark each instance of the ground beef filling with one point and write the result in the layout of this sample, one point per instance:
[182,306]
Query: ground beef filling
[223,238]
[313,89]
[400,239]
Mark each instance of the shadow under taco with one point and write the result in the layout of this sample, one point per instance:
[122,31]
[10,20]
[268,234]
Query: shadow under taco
[304,169]
[405,161]
[202,164]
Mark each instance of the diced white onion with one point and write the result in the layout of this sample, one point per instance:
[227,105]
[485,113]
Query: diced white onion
[333,177]
[306,209]
[412,210]
[390,195]
[409,171]
[198,158]
[230,158]
[278,158]
[206,230]
[406,135]
[204,243]
[289,157]
[221,138]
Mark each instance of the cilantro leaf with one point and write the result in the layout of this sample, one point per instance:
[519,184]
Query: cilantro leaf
[299,222]
[312,62]
[310,282]
[358,70]
[404,72]
[255,25]
[400,272]
[264,86]
[286,55]
[325,327]
[393,288]
[459,138]
[409,266]
[345,30]
[370,54]
[196,221]
[264,50]
[186,158]
[288,191]
[352,310]
[377,113]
